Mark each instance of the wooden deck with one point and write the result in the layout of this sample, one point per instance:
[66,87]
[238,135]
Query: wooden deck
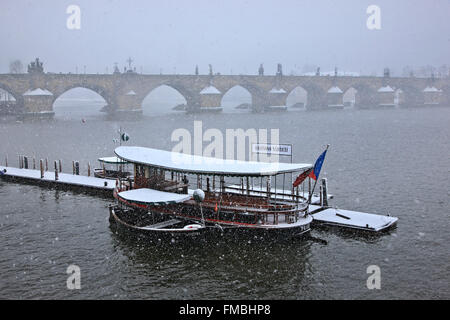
[64,179]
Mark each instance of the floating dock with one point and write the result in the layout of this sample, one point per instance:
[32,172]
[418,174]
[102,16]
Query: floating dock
[351,219]
[62,179]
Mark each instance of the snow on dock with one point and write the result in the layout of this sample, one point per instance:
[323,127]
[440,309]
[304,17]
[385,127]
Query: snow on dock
[66,179]
[352,219]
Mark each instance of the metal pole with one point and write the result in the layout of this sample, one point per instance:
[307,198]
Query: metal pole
[41,167]
[56,171]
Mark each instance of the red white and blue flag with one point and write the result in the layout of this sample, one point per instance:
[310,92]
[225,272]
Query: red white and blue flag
[317,166]
[301,177]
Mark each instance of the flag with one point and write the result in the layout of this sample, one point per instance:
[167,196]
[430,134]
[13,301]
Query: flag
[317,166]
[301,177]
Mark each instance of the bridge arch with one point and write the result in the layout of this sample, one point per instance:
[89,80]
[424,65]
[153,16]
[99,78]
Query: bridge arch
[237,97]
[349,97]
[297,98]
[78,101]
[17,96]
[316,96]
[411,95]
[96,88]
[365,95]
[164,98]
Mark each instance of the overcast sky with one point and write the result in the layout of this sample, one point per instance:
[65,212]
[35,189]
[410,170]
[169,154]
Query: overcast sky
[234,36]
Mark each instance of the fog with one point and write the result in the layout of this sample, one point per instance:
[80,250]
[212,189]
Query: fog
[234,36]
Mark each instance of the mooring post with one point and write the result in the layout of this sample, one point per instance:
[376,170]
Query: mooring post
[20,162]
[89,169]
[60,165]
[73,167]
[46,164]
[56,171]
[77,168]
[325,191]
[34,163]
[26,162]
[321,195]
[6,160]
[41,167]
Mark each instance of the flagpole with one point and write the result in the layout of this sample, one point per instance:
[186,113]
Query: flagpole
[317,178]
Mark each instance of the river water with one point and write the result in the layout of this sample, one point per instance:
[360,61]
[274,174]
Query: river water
[380,161]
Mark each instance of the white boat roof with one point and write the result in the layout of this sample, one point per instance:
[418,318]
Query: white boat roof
[204,165]
[152,197]
[113,160]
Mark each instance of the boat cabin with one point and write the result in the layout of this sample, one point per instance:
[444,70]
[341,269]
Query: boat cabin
[249,192]
[112,167]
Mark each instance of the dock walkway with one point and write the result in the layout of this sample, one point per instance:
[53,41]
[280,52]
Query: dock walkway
[65,179]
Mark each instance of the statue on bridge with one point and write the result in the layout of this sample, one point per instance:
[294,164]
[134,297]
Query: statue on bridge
[318,71]
[279,70]
[210,70]
[36,66]
[261,70]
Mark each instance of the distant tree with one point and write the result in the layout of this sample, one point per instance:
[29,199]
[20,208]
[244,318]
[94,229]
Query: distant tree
[16,66]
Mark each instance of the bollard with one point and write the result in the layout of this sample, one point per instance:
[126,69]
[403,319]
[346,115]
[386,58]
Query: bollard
[41,167]
[25,162]
[60,166]
[325,191]
[6,160]
[89,169]
[73,167]
[20,162]
[34,163]
[56,171]
[321,196]
[77,168]
[46,164]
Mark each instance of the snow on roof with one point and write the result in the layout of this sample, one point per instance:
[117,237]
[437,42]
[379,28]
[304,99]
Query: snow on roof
[152,197]
[6,97]
[204,165]
[335,90]
[113,160]
[431,89]
[275,90]
[386,89]
[38,92]
[131,93]
[210,90]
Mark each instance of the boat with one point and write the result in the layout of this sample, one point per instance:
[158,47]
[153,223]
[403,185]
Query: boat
[112,168]
[161,188]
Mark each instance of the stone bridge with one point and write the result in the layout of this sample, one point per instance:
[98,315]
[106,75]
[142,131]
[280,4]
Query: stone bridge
[35,93]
